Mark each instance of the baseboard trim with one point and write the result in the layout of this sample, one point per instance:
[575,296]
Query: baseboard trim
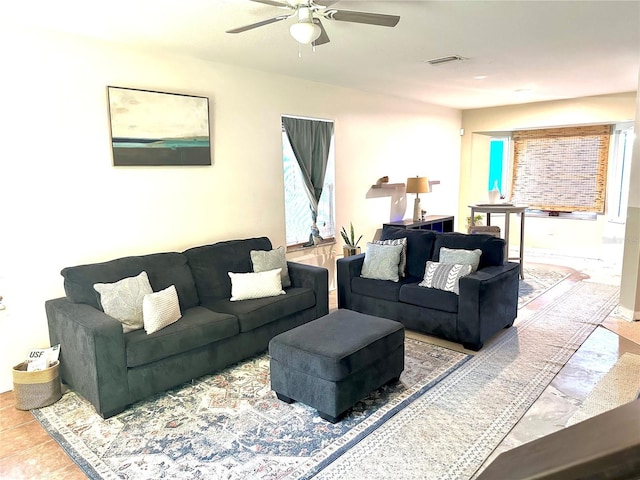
[628,314]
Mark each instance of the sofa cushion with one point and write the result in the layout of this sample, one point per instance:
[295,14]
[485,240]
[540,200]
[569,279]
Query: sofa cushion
[123,300]
[492,247]
[256,312]
[198,326]
[210,265]
[419,246]
[163,269]
[431,298]
[382,262]
[382,289]
[264,260]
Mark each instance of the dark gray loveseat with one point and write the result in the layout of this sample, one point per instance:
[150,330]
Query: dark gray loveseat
[487,301]
[112,369]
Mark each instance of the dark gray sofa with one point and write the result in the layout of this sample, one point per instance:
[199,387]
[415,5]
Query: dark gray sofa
[112,369]
[487,303]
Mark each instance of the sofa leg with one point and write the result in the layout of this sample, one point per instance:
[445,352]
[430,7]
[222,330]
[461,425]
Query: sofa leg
[473,346]
[284,398]
[329,418]
[111,413]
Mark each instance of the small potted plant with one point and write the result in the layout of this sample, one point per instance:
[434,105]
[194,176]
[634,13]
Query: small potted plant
[477,220]
[351,244]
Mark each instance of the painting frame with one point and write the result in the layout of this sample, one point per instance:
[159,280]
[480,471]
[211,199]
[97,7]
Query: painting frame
[152,128]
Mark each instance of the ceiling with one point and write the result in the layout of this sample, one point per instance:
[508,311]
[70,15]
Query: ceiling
[515,51]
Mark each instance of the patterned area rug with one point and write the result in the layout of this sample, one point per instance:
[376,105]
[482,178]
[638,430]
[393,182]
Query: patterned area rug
[230,425]
[450,430]
[537,280]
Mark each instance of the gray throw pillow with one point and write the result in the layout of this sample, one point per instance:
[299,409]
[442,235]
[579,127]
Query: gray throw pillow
[381,262]
[444,276]
[122,300]
[402,266]
[265,260]
[461,257]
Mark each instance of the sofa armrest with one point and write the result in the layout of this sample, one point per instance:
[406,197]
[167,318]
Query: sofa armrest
[488,302]
[347,268]
[314,278]
[92,353]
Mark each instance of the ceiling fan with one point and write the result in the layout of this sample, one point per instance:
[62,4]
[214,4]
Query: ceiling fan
[309,28]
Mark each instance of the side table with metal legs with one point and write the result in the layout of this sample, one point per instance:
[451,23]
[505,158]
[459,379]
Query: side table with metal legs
[507,210]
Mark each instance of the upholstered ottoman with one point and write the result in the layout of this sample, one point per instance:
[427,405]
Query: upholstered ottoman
[333,362]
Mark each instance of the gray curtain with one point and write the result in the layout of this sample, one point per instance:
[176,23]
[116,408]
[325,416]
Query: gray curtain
[310,141]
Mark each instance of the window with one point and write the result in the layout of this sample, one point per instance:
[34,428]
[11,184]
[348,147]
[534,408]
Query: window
[621,144]
[561,169]
[499,155]
[300,229]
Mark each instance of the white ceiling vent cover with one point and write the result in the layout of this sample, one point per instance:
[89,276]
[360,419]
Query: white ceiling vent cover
[441,60]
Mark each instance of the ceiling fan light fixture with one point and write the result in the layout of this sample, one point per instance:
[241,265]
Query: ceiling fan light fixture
[305,32]
[309,28]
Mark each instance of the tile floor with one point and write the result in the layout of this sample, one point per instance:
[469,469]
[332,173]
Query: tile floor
[595,357]
[27,451]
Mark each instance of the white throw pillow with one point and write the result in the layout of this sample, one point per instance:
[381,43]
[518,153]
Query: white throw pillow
[256,285]
[461,257]
[122,300]
[381,262]
[444,276]
[264,260]
[160,309]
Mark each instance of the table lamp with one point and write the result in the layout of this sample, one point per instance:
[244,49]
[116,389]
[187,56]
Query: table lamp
[417,185]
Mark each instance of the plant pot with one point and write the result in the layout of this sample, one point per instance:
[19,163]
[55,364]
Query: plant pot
[348,251]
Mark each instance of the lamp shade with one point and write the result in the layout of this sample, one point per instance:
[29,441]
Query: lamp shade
[418,185]
[304,31]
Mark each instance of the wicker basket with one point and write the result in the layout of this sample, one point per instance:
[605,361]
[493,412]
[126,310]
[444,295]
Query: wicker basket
[36,389]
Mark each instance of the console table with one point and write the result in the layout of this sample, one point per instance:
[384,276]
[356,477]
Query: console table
[507,210]
[437,223]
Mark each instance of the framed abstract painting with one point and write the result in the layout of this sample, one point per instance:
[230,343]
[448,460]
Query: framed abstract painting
[156,128]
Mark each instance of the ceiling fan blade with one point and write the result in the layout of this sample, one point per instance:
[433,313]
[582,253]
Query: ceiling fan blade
[259,24]
[273,3]
[380,19]
[323,38]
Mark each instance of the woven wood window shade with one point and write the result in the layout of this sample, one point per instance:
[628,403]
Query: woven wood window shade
[561,169]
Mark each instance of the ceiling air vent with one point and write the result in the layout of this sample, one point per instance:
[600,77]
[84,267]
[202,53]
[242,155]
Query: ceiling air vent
[450,58]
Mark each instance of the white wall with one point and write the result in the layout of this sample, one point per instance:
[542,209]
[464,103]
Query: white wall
[568,236]
[629,306]
[64,204]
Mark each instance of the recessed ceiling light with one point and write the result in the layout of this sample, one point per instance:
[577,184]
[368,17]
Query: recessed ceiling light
[480,77]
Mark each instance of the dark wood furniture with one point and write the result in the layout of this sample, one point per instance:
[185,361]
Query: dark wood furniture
[437,223]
